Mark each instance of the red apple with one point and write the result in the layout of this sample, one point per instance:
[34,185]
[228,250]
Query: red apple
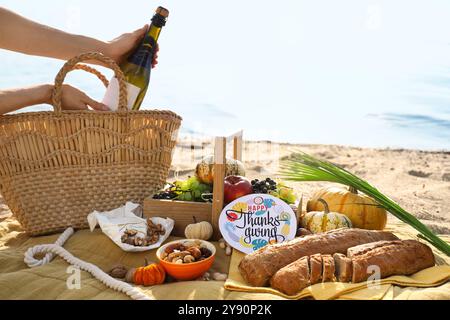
[236,187]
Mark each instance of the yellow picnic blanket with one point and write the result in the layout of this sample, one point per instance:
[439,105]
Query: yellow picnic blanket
[18,281]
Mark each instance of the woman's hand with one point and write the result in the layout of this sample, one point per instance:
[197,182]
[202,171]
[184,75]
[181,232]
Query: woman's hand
[121,47]
[74,99]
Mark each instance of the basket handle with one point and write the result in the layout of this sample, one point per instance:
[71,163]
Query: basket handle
[72,64]
[95,72]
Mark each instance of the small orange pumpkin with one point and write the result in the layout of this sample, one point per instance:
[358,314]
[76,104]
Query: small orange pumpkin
[150,275]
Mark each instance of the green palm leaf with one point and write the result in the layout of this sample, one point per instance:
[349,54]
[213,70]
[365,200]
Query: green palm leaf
[303,167]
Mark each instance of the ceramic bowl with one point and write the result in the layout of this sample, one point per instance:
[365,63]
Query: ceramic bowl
[187,271]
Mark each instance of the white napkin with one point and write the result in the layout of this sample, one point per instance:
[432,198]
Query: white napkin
[115,222]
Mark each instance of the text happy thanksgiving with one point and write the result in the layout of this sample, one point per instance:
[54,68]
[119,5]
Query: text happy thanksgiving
[261,226]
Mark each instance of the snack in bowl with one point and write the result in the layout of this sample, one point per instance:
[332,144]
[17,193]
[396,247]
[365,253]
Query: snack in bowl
[186,259]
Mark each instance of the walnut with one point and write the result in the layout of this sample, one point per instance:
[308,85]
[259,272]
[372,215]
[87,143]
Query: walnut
[155,229]
[189,259]
[118,272]
[129,241]
[138,242]
[131,232]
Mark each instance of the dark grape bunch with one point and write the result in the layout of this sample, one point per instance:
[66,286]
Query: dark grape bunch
[264,186]
[165,195]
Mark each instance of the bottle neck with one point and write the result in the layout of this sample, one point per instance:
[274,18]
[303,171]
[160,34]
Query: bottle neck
[154,32]
[158,21]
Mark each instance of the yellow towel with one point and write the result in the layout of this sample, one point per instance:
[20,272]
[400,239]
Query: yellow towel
[49,282]
[430,277]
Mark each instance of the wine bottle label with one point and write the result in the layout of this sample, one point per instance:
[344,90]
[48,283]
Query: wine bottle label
[111,98]
[144,54]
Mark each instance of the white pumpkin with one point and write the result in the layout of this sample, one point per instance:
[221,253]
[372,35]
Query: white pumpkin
[323,221]
[201,230]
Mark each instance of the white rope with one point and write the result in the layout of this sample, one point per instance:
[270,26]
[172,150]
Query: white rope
[51,250]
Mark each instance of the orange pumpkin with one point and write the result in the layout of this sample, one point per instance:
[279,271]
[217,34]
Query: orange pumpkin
[151,275]
[363,211]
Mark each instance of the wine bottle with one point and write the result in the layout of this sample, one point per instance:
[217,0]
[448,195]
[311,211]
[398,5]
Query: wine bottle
[138,66]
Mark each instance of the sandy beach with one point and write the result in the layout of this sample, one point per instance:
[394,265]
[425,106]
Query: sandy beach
[418,180]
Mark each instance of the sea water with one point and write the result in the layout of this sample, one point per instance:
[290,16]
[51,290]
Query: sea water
[363,73]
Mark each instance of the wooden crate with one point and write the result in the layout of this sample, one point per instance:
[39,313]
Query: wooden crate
[182,212]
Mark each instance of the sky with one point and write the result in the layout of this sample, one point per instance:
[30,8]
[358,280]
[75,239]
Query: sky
[363,72]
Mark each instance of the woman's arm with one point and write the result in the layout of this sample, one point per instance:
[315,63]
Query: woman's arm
[72,98]
[14,99]
[22,35]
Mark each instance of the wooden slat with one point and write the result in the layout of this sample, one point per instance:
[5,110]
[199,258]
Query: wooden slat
[237,148]
[219,176]
[181,212]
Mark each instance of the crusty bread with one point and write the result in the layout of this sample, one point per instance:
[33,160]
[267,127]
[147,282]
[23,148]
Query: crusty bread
[292,278]
[315,268]
[258,267]
[392,258]
[364,248]
[344,268]
[328,268]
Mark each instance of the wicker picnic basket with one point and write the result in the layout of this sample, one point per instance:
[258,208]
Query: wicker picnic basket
[57,167]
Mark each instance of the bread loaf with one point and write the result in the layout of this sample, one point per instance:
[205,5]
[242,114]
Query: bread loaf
[391,257]
[258,267]
[299,271]
[344,268]
[328,268]
[315,268]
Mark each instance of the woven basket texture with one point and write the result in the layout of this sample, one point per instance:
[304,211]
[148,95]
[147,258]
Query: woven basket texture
[58,166]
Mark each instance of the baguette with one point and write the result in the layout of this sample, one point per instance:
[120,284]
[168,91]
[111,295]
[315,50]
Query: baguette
[392,258]
[258,267]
